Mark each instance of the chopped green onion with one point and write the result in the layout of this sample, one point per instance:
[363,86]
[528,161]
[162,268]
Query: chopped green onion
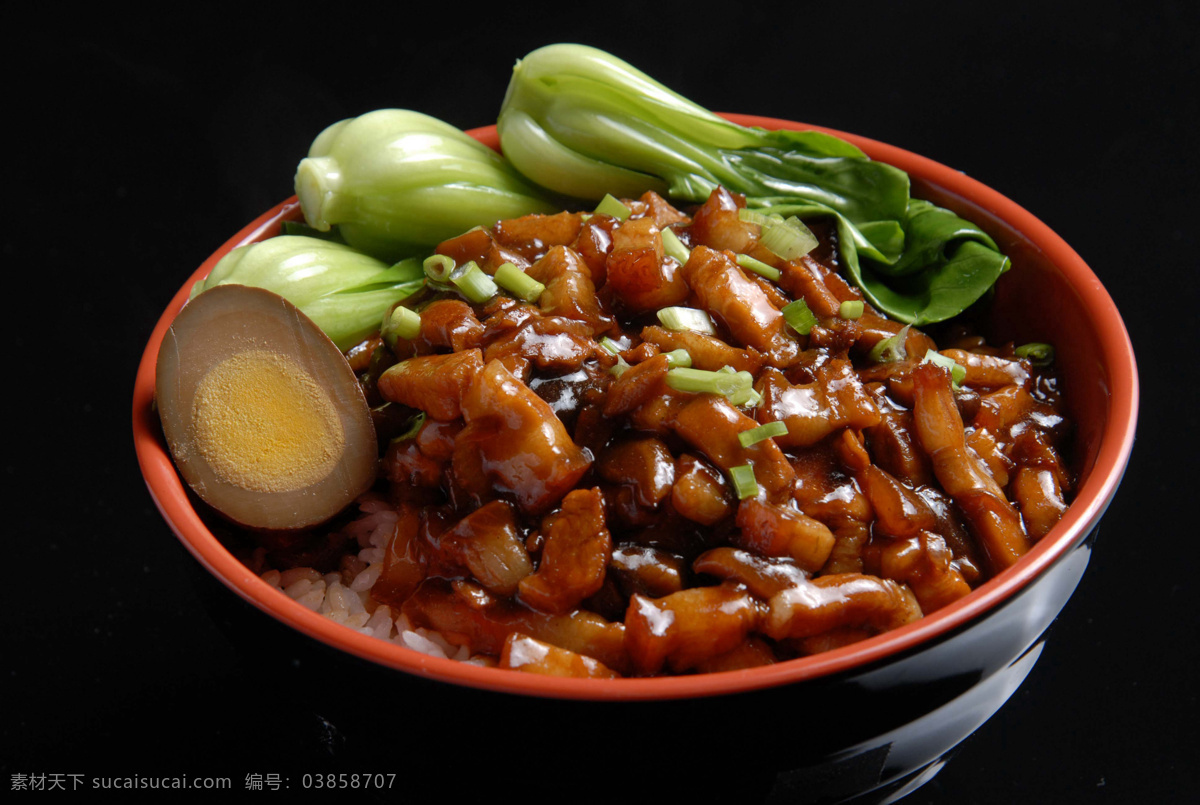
[744,482]
[957,373]
[401,323]
[1038,353]
[762,433]
[414,426]
[891,350]
[687,318]
[799,317]
[700,381]
[679,358]
[611,346]
[746,398]
[673,246]
[787,239]
[758,267]
[850,309]
[619,368]
[513,279]
[609,205]
[439,267]
[473,283]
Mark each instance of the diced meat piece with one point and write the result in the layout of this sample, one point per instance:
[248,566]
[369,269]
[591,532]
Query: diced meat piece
[983,444]
[1002,408]
[989,371]
[804,278]
[838,601]
[575,553]
[753,652]
[522,447]
[1033,447]
[661,211]
[569,292]
[706,351]
[523,653]
[641,464]
[403,565]
[874,328]
[421,460]
[716,224]
[593,244]
[821,288]
[893,442]
[738,304]
[925,564]
[466,614]
[940,431]
[433,383]
[689,627]
[774,530]
[646,571]
[638,273]
[835,400]
[551,343]
[711,425]
[534,235]
[479,246]
[636,386]
[764,576]
[448,325]
[701,493]
[1040,500]
[488,544]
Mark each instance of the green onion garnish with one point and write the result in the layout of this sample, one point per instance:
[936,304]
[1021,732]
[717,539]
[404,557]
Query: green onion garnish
[523,286]
[414,426]
[758,267]
[613,206]
[402,323]
[610,346]
[744,482]
[673,246]
[679,359]
[891,350]
[850,309]
[1038,353]
[787,239]
[799,317]
[701,381]
[438,267]
[762,433]
[957,372]
[473,283]
[619,368]
[686,318]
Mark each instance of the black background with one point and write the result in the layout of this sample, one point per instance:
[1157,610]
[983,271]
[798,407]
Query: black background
[135,146]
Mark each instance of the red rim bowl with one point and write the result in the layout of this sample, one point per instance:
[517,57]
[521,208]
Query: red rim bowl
[1103,371]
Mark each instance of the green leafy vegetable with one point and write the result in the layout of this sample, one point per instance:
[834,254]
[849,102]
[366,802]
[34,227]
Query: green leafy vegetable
[396,183]
[345,293]
[583,123]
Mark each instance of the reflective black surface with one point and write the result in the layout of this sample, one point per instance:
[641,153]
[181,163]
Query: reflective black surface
[135,147]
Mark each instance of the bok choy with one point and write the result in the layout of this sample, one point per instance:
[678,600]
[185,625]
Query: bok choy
[584,123]
[396,183]
[345,292]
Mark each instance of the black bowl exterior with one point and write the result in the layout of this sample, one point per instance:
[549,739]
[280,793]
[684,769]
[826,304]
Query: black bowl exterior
[869,735]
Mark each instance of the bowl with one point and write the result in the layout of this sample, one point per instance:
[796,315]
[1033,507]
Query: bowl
[887,711]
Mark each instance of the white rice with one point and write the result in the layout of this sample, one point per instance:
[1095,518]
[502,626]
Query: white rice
[351,604]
